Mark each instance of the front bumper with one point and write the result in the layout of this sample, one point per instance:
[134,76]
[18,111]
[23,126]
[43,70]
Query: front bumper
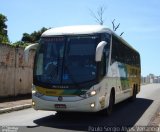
[72,103]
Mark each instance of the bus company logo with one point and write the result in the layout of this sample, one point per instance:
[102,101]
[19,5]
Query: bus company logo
[60,98]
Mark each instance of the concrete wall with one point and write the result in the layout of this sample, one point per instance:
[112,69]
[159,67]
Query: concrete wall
[15,74]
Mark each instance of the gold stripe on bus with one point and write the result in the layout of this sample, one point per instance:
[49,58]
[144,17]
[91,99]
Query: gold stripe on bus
[50,92]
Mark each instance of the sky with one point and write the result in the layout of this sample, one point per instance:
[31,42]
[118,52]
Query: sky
[139,20]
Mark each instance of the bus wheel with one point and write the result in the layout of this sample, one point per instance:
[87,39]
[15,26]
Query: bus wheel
[111,103]
[60,113]
[134,94]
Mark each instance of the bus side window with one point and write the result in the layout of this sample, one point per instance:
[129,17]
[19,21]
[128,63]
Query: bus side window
[115,51]
[105,60]
[106,37]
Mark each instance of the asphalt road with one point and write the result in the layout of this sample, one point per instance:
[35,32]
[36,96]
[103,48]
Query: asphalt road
[126,113]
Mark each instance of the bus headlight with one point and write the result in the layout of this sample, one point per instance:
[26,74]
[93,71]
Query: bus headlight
[35,92]
[90,93]
[33,89]
[33,103]
[93,93]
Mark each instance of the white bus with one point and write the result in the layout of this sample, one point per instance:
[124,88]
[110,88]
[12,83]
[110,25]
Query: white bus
[83,68]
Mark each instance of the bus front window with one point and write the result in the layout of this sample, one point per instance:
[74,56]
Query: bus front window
[80,65]
[49,58]
[65,60]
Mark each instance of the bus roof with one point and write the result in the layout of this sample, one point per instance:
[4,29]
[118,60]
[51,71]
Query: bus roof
[73,30]
[82,29]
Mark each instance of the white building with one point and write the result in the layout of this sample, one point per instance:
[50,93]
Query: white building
[151,78]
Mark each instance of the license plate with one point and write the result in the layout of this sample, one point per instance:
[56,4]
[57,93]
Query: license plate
[60,106]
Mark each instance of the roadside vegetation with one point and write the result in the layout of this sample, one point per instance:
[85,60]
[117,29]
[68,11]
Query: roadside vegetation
[26,38]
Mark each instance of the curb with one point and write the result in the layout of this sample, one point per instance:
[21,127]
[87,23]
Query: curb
[16,108]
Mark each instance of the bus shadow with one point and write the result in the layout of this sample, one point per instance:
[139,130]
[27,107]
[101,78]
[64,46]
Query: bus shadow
[125,114]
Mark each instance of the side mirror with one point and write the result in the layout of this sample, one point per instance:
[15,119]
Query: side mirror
[27,50]
[99,51]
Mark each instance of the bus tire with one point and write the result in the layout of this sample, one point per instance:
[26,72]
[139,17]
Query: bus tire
[109,109]
[60,113]
[133,98]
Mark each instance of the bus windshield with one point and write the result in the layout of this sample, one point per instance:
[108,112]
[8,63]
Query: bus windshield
[66,60]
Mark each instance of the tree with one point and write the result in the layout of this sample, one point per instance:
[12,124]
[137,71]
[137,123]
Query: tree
[20,44]
[30,38]
[116,27]
[33,37]
[3,29]
[27,38]
[99,15]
